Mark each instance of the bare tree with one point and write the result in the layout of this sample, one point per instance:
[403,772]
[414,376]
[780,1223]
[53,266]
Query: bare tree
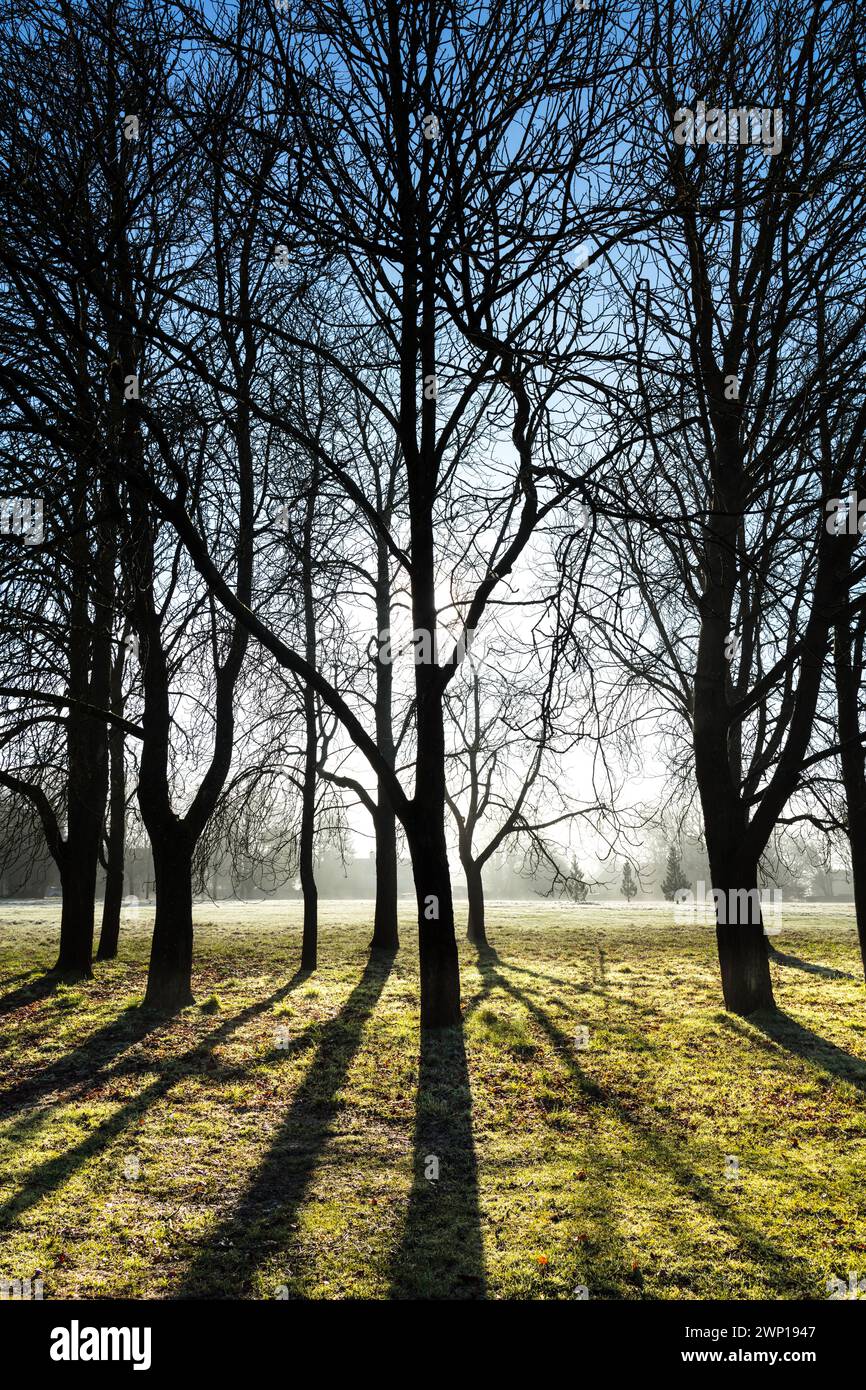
[737,424]
[454,249]
[515,732]
[54,124]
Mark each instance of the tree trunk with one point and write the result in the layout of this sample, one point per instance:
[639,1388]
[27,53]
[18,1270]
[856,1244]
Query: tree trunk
[385,933]
[437,944]
[306,859]
[425,830]
[745,967]
[78,881]
[853,763]
[169,977]
[857,834]
[475,931]
[110,932]
[87,786]
[306,850]
[86,738]
[425,825]
[743,961]
[385,930]
[746,982]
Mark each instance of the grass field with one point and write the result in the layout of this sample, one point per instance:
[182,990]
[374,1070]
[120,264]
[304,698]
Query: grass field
[281,1137]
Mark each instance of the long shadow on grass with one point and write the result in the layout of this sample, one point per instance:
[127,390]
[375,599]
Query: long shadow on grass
[13,979]
[85,1064]
[40,1181]
[781,1030]
[440,1253]
[27,994]
[827,972]
[486,954]
[225,1266]
[667,1155]
[540,975]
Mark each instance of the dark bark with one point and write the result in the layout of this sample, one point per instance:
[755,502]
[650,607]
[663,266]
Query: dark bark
[306,856]
[78,882]
[475,931]
[116,847]
[169,977]
[439,969]
[306,848]
[742,945]
[385,931]
[745,968]
[437,944]
[848,671]
[170,970]
[742,949]
[109,934]
[86,737]
[80,852]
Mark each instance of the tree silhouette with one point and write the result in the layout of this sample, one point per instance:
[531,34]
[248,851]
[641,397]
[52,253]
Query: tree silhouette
[674,877]
[628,886]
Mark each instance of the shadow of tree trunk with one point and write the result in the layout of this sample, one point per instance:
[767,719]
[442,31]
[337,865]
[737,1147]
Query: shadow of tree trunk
[440,1253]
[784,1031]
[827,972]
[662,1149]
[224,1266]
[43,1179]
[29,993]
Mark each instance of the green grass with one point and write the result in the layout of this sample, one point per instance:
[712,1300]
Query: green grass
[273,1140]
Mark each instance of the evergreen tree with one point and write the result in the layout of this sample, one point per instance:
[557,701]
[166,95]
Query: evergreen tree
[629,883]
[674,877]
[577,888]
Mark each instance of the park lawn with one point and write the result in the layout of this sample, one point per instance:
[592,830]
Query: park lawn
[281,1137]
